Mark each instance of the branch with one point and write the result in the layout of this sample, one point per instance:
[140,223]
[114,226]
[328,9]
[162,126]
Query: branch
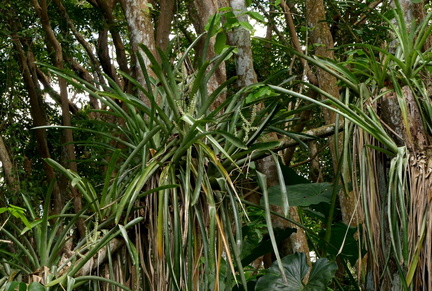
[94,262]
[86,45]
[100,258]
[296,43]
[311,134]
[363,16]
[73,108]
[274,27]
[107,10]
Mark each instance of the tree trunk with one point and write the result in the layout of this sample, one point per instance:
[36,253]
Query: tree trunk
[163,25]
[141,31]
[322,40]
[69,159]
[8,168]
[201,11]
[240,38]
[107,7]
[37,111]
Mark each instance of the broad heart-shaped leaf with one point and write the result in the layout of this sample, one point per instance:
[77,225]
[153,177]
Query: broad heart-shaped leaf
[296,268]
[322,272]
[291,177]
[302,194]
[344,234]
[254,248]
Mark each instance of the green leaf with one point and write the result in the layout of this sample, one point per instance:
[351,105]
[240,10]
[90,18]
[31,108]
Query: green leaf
[253,248]
[212,25]
[17,208]
[231,20]
[224,9]
[296,268]
[232,139]
[322,272]
[343,236]
[302,194]
[150,6]
[256,16]
[23,219]
[75,181]
[220,42]
[291,177]
[11,286]
[18,212]
[246,25]
[262,92]
[262,181]
[70,283]
[34,286]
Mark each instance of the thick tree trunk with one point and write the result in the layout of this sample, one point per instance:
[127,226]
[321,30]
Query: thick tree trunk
[163,25]
[201,11]
[8,168]
[321,37]
[141,31]
[407,130]
[419,212]
[241,38]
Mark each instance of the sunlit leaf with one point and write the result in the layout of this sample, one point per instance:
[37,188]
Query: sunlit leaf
[255,15]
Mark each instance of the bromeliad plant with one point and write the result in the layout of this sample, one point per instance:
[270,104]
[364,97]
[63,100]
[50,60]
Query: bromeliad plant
[175,165]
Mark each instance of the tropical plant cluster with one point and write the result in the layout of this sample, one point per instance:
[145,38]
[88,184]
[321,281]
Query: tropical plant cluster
[167,145]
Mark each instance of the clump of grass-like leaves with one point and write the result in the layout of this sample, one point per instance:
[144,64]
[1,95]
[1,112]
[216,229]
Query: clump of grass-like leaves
[392,204]
[174,168]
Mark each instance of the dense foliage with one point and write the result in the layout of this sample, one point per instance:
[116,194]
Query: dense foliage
[156,145]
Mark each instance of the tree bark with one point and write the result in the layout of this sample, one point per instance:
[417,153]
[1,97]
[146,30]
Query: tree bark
[201,11]
[37,111]
[163,24]
[322,40]
[241,38]
[141,31]
[107,7]
[8,168]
